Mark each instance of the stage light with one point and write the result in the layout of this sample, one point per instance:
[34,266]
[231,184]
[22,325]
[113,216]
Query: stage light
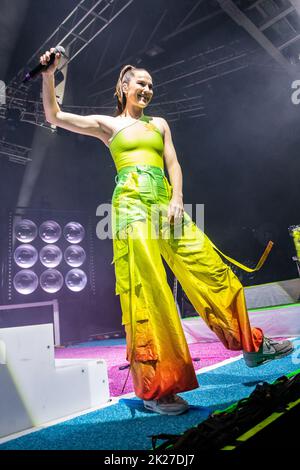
[75,256]
[295,234]
[50,231]
[294,231]
[51,256]
[51,281]
[49,250]
[74,232]
[26,231]
[65,271]
[25,282]
[76,280]
[25,256]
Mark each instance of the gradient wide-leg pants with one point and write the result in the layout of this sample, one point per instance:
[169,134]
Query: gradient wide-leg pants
[156,346]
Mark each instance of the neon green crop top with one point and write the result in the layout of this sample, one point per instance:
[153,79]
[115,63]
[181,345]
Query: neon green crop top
[139,143]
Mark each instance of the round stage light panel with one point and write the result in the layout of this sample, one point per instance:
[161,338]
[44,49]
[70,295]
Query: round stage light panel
[74,232]
[51,256]
[25,281]
[25,256]
[75,256]
[25,231]
[50,231]
[51,281]
[76,280]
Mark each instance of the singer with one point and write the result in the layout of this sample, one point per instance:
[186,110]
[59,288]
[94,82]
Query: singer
[141,146]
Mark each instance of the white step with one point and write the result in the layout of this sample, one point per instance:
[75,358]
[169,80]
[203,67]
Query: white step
[35,388]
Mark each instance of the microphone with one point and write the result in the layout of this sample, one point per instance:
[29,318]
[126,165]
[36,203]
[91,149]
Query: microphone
[39,68]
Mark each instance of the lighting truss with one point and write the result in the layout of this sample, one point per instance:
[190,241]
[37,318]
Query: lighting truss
[227,62]
[15,153]
[78,30]
[90,17]
[33,112]
[271,25]
[176,102]
[154,38]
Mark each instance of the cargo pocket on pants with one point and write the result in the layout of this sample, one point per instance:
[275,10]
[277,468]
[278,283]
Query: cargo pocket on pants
[145,345]
[121,262]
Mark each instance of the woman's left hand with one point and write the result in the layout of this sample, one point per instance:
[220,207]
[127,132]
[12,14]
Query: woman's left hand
[175,210]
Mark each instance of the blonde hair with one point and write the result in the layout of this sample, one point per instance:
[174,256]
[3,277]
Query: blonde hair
[126,74]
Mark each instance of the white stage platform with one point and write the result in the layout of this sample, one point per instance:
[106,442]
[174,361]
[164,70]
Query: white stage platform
[36,388]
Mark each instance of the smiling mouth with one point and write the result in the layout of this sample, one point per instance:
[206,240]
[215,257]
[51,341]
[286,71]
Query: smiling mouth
[143,97]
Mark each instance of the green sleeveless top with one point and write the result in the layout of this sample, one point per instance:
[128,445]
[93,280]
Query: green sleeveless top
[139,143]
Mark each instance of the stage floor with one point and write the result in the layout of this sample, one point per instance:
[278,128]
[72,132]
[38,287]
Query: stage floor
[124,424]
[114,353]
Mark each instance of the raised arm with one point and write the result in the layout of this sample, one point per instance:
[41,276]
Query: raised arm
[99,126]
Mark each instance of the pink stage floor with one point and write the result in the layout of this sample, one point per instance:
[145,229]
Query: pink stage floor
[115,356]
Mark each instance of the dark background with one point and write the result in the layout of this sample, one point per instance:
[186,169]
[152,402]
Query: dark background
[239,153]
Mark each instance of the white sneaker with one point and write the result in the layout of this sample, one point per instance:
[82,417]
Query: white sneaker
[268,351]
[169,405]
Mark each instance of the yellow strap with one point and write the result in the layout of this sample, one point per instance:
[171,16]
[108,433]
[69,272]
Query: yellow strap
[242,266]
[132,289]
[132,304]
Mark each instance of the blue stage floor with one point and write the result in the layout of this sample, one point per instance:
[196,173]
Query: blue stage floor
[125,425]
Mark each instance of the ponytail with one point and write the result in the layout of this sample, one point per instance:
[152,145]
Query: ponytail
[125,76]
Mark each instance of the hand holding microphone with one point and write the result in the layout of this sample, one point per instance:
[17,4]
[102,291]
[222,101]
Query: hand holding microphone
[48,63]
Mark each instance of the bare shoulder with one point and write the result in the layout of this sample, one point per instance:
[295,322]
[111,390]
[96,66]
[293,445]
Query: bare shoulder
[109,126]
[107,122]
[161,124]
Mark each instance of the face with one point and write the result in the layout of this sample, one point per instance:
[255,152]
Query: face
[139,90]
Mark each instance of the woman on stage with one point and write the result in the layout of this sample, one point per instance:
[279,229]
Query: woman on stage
[147,214]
